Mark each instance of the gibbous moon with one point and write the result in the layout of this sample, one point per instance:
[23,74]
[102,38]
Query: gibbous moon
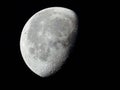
[46,39]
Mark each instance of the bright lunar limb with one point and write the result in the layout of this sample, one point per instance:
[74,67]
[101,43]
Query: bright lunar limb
[47,38]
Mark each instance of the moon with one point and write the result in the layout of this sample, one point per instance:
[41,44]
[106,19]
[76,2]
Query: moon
[46,39]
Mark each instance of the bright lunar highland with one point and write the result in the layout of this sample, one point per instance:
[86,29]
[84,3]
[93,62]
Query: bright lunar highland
[47,38]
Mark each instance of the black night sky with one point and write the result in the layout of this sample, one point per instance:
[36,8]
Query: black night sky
[81,66]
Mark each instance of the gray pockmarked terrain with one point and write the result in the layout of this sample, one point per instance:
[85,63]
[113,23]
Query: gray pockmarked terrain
[46,39]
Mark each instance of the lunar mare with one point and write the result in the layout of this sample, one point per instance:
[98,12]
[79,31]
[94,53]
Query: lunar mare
[46,39]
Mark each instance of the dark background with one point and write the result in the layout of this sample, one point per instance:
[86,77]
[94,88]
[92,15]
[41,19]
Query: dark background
[83,67]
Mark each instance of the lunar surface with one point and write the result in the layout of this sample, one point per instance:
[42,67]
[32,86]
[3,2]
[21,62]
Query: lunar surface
[47,38]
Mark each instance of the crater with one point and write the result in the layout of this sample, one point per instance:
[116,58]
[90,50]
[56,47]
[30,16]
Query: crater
[41,52]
